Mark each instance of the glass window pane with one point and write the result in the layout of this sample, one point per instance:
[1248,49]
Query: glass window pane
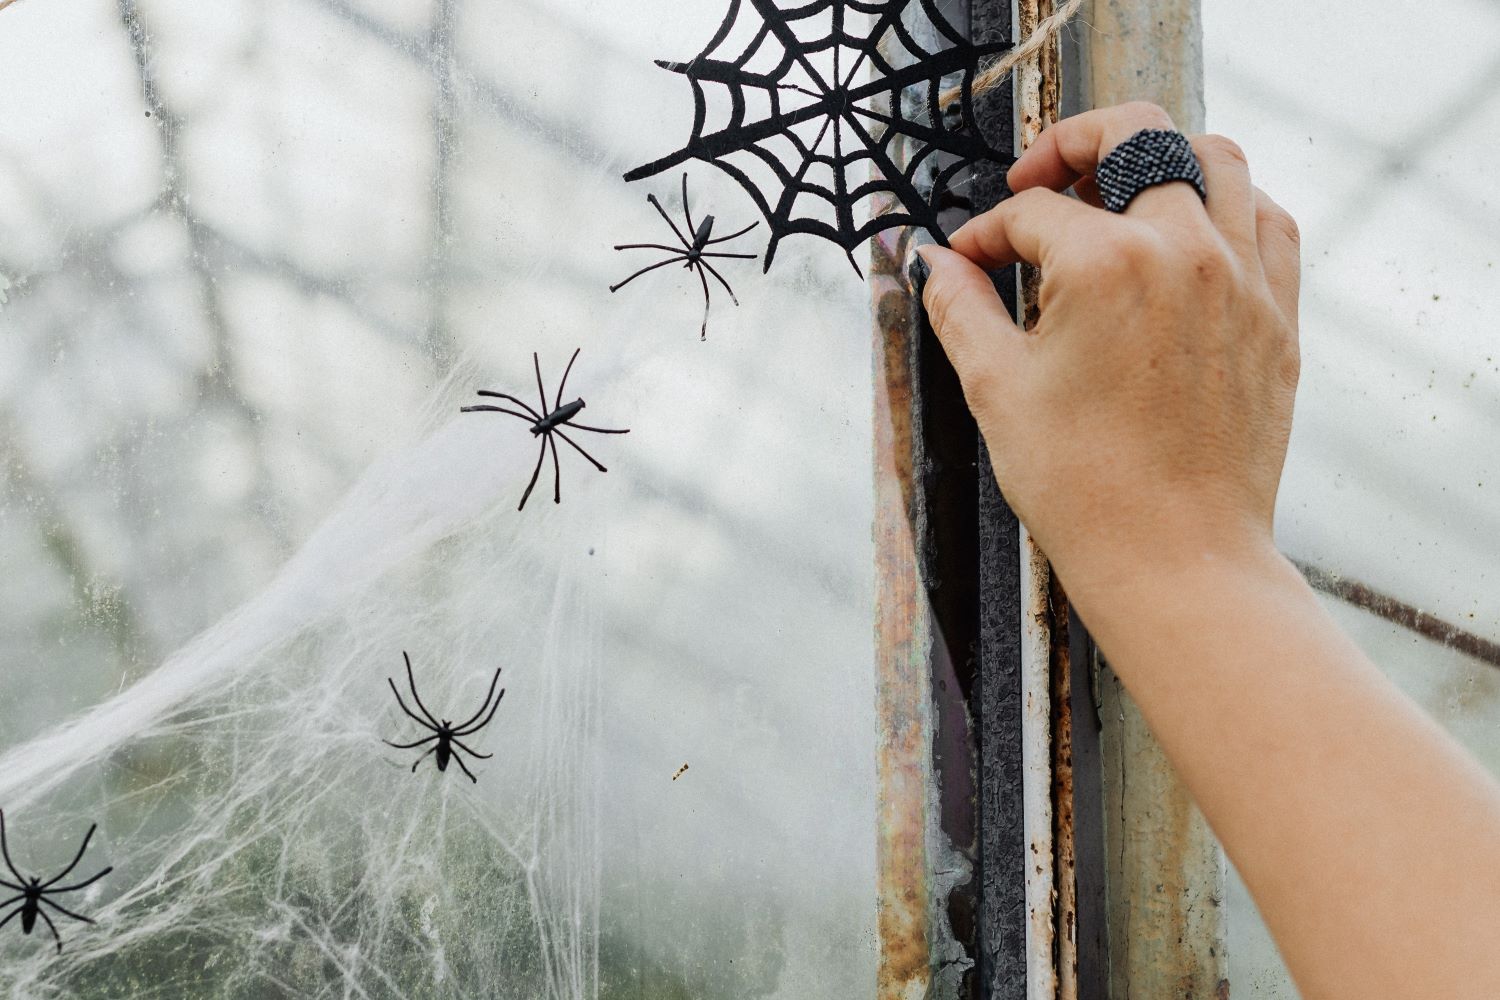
[258,255]
[1390,488]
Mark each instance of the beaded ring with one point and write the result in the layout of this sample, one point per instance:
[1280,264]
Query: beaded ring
[1150,157]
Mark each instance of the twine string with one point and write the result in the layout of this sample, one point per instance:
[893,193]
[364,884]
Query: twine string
[997,71]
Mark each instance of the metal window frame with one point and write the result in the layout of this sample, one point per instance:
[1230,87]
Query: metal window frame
[1015,859]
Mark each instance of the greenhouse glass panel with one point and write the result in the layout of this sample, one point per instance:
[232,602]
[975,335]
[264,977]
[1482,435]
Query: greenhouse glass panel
[254,259]
[1389,500]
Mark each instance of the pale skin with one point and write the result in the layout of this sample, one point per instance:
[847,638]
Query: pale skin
[1139,431]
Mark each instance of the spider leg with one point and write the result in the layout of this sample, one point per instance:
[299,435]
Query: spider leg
[51,927]
[657,205]
[465,768]
[732,256]
[731,236]
[507,396]
[534,473]
[566,372]
[473,753]
[494,409]
[85,884]
[647,246]
[13,914]
[580,451]
[537,363]
[671,260]
[687,212]
[412,715]
[13,899]
[67,912]
[470,730]
[556,472]
[714,271]
[412,680]
[493,683]
[703,331]
[411,746]
[418,764]
[5,849]
[596,430]
[76,858]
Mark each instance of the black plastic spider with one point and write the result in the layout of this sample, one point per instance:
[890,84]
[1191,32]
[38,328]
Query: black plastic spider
[693,254]
[545,424]
[34,892]
[444,732]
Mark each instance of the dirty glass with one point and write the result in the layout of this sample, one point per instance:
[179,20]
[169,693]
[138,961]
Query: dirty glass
[1382,142]
[254,256]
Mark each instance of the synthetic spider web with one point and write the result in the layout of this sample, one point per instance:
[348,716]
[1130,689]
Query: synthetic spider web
[823,118]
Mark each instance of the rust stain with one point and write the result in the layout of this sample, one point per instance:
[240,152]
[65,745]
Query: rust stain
[1423,623]
[1063,840]
[904,967]
[902,626]
[1039,90]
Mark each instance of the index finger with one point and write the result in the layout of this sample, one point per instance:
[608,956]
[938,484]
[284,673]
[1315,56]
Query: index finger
[1072,148]
[1023,227]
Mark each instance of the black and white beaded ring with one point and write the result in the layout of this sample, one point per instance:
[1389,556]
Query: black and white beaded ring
[1150,157]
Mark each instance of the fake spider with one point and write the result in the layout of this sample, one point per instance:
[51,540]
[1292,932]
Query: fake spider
[545,424]
[34,892]
[445,733]
[693,254]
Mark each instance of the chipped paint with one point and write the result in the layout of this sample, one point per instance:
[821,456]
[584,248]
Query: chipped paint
[903,633]
[1038,90]
[1064,842]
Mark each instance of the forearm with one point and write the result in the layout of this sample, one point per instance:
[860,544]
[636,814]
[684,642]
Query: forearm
[1370,840]
[1138,429]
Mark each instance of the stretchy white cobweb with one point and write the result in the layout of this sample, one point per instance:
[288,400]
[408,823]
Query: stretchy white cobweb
[266,844]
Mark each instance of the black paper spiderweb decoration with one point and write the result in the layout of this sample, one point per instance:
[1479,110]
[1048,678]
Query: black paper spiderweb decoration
[839,121]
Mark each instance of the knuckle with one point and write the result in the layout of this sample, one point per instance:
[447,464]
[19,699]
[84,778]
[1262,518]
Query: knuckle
[1115,261]
[1127,248]
[1280,222]
[1148,114]
[1290,361]
[1222,148]
[1209,259]
[943,299]
[1028,200]
[938,298]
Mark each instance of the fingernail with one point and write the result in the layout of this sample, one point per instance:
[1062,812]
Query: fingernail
[920,270]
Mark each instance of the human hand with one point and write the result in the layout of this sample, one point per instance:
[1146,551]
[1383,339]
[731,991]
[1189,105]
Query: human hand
[1143,422]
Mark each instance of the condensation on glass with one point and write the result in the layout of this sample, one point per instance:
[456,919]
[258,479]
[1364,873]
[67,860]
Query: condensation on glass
[1390,496]
[253,258]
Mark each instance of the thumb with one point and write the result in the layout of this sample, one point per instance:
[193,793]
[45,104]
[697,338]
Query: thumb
[976,330]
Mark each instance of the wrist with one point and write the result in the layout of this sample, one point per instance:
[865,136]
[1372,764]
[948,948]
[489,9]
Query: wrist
[1167,586]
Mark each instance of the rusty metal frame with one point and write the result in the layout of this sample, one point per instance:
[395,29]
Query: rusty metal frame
[927,526]
[1047,782]
[952,851]
[1033,843]
[1163,868]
